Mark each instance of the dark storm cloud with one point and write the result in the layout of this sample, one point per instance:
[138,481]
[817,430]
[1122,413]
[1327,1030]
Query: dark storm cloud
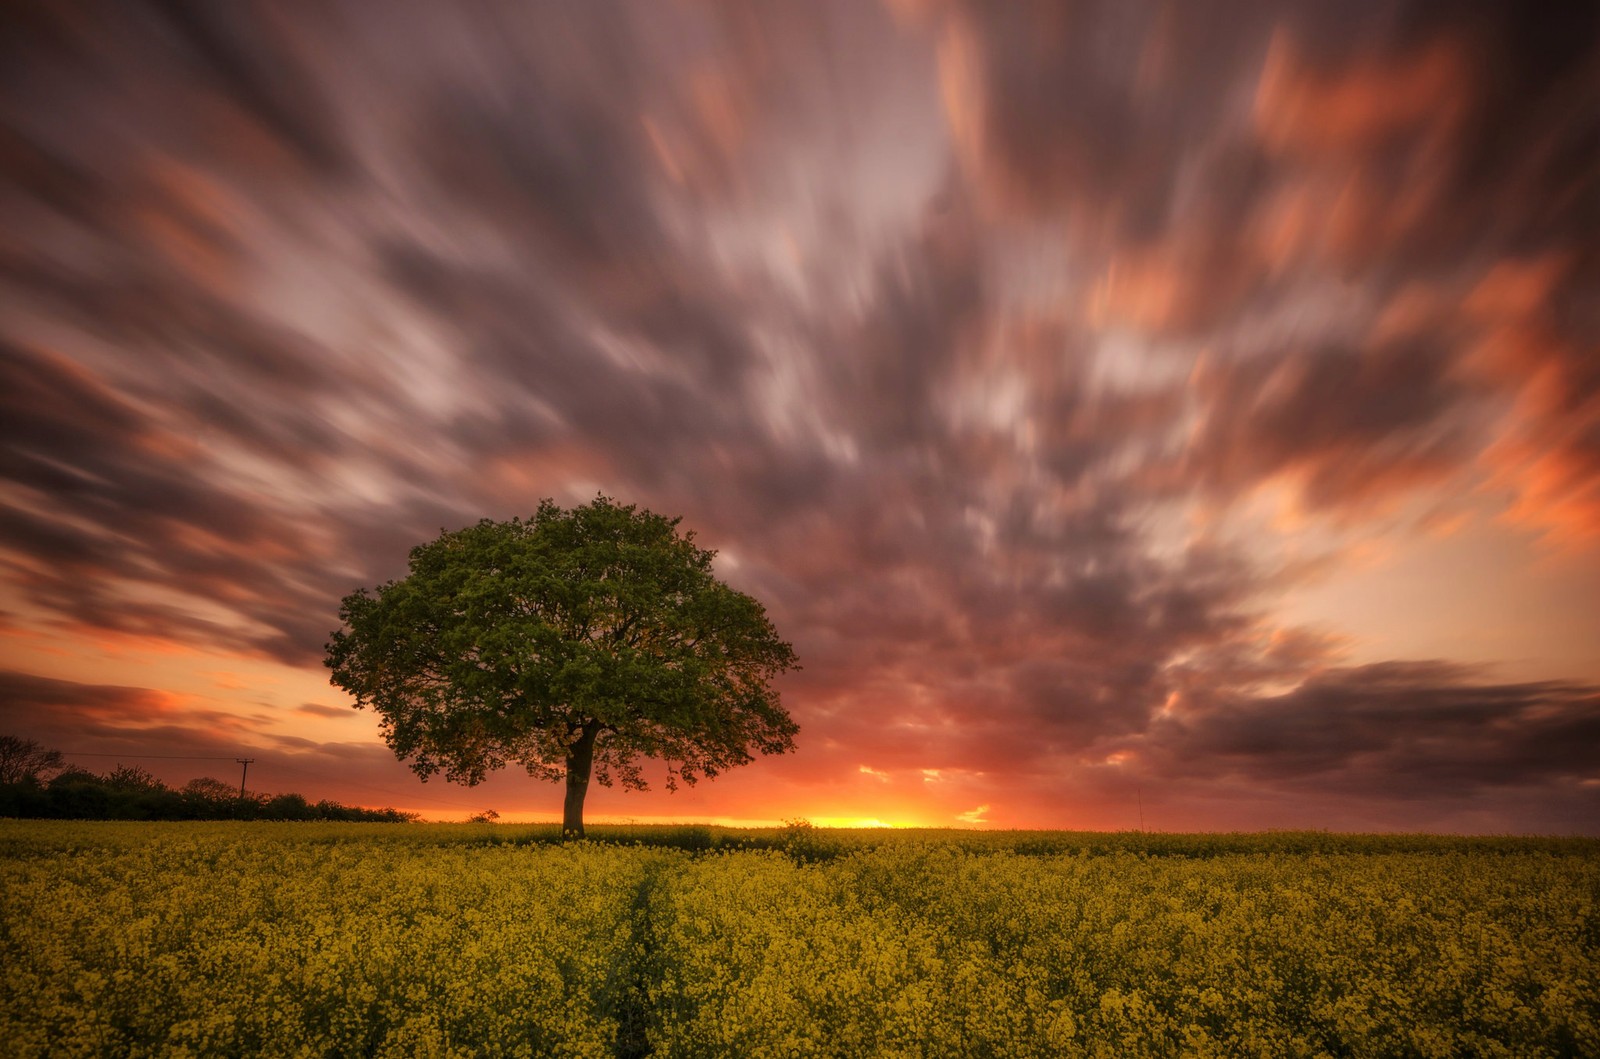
[113,497]
[1509,88]
[132,443]
[1348,425]
[1154,119]
[287,291]
[1410,729]
[65,712]
[1227,168]
[1100,104]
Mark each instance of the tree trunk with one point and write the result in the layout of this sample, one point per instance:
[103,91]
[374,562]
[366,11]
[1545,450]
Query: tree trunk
[580,759]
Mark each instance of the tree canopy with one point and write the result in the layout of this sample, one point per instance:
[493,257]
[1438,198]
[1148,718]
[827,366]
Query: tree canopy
[25,761]
[574,643]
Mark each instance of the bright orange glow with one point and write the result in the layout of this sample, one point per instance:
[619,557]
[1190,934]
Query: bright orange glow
[855,822]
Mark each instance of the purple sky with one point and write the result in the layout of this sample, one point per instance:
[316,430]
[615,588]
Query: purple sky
[1186,406]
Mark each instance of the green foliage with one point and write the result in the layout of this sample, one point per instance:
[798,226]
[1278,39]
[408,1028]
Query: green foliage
[805,841]
[24,761]
[132,778]
[128,792]
[591,637]
[327,939]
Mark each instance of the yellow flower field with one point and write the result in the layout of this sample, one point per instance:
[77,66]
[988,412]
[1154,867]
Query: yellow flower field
[419,940]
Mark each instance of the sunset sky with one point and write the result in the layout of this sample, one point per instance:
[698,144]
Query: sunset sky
[1188,410]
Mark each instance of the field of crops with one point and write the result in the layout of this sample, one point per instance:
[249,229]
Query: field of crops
[419,940]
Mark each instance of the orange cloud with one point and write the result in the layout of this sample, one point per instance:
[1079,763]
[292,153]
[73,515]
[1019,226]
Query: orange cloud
[1356,107]
[1546,455]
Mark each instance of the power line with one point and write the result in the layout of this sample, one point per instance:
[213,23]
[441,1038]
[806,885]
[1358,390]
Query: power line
[149,757]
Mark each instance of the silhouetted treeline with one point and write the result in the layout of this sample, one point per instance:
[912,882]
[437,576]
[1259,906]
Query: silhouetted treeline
[35,784]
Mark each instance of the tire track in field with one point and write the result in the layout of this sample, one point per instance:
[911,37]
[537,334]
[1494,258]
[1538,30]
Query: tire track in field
[635,1015]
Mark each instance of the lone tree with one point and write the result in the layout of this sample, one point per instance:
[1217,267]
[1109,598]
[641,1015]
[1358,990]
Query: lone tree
[574,644]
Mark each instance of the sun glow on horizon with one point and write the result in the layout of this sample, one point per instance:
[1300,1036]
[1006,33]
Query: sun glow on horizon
[855,822]
[512,816]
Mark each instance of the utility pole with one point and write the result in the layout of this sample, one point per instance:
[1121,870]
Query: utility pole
[245,761]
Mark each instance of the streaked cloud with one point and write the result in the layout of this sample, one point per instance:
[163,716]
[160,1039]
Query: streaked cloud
[1029,361]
